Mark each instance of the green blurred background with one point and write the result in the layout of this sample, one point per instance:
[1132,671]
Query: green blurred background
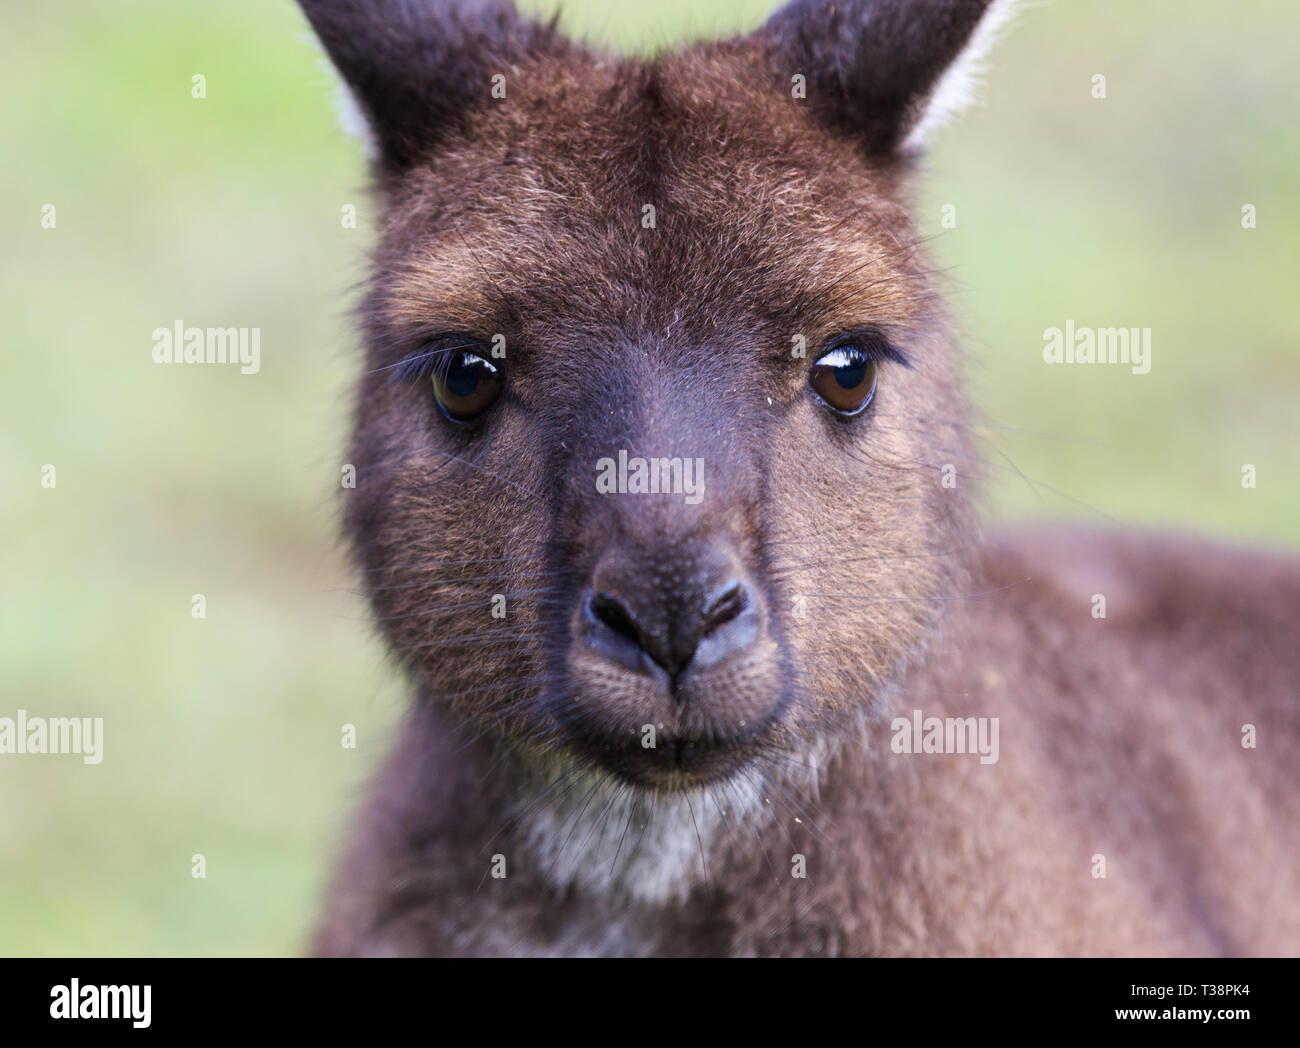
[223,734]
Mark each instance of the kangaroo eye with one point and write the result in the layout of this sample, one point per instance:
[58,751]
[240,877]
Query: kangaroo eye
[465,385]
[845,378]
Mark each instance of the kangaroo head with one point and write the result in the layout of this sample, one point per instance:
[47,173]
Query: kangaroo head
[656,436]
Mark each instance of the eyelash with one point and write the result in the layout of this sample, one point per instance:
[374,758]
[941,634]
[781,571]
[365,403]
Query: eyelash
[869,341]
[422,365]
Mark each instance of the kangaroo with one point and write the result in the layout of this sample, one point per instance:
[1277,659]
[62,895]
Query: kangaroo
[666,502]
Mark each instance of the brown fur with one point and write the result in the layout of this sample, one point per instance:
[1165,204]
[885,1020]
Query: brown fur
[1121,736]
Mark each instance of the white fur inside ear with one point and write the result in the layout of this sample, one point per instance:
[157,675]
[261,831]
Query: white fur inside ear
[956,88]
[354,122]
[352,118]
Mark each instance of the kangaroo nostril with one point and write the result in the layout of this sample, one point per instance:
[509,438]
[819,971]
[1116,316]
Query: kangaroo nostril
[668,613]
[614,614]
[724,607]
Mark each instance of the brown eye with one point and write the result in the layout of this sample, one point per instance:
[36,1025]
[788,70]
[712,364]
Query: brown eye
[465,385]
[845,378]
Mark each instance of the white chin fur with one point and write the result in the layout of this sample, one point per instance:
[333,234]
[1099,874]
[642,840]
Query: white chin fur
[623,842]
[615,841]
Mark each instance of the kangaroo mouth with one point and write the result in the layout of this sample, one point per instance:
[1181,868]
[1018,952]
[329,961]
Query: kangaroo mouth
[653,759]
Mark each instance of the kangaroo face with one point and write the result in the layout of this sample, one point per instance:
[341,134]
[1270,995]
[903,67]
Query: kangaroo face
[652,436]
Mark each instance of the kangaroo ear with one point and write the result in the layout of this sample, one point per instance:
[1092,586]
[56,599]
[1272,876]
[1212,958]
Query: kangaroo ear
[885,71]
[418,67]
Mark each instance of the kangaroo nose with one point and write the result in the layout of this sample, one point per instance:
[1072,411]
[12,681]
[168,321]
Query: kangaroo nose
[680,611]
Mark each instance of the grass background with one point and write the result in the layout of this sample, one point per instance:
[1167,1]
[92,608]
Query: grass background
[222,735]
